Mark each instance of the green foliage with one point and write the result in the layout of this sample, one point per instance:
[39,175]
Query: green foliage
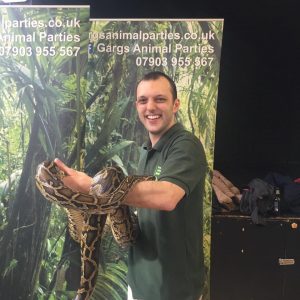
[12,264]
[13,137]
[54,249]
[7,189]
[111,282]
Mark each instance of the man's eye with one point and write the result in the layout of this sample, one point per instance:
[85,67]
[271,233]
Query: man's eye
[160,100]
[142,101]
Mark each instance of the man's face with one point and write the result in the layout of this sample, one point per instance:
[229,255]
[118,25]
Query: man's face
[156,107]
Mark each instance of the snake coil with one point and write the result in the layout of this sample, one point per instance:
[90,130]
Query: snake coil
[88,213]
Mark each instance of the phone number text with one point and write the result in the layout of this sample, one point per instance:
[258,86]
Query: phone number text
[39,51]
[174,61]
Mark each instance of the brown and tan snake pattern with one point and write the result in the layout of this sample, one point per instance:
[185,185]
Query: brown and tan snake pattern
[87,213]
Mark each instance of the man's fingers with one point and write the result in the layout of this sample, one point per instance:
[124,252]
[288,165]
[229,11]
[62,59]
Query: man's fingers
[62,166]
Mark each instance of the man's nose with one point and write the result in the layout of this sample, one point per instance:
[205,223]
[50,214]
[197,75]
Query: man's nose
[151,105]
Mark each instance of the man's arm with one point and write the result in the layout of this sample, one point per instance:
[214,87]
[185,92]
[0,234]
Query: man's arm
[161,195]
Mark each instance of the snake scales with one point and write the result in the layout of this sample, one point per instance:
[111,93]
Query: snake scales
[87,213]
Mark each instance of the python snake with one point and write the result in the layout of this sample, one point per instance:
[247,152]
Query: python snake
[88,213]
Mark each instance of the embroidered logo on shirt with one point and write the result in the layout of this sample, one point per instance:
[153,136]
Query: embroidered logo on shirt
[157,171]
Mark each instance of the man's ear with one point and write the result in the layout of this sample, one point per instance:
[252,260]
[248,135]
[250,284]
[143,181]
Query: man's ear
[176,105]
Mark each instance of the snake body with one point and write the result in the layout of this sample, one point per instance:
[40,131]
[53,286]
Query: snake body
[88,213]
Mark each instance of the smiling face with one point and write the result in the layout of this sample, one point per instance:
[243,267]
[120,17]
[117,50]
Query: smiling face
[156,107]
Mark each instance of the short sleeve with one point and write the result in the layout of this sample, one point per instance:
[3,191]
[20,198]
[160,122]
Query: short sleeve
[185,163]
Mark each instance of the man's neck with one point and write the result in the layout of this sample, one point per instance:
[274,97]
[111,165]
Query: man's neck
[154,138]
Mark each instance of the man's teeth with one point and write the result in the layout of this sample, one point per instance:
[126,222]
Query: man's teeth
[152,117]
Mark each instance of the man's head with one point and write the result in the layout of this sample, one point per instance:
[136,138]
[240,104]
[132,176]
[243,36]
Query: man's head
[157,103]
[155,75]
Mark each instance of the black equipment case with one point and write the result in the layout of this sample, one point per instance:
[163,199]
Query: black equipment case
[254,262]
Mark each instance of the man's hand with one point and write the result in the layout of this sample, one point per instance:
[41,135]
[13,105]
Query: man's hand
[75,180]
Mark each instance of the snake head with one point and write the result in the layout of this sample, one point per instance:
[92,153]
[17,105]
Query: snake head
[107,180]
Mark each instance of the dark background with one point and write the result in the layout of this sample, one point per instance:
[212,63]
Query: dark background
[258,126]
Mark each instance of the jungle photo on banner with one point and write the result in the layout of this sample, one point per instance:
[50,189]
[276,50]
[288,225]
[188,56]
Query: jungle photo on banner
[120,53]
[43,60]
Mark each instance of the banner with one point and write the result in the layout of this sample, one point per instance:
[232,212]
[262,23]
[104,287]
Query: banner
[120,52]
[43,60]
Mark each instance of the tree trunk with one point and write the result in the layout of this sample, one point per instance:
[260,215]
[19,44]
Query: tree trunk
[24,237]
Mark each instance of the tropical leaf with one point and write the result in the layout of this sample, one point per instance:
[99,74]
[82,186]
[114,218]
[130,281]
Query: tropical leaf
[111,283]
[12,264]
[107,154]
[4,185]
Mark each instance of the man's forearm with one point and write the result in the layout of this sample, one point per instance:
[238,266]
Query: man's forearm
[161,195]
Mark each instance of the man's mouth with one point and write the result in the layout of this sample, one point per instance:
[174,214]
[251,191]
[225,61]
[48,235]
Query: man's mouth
[152,117]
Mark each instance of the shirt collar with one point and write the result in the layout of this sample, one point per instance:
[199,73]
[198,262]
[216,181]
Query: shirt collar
[162,141]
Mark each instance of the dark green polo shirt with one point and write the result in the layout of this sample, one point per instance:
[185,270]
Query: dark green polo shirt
[166,263]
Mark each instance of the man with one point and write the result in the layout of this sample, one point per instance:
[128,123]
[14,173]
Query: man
[166,263]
